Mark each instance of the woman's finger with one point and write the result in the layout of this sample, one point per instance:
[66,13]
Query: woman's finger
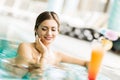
[40,46]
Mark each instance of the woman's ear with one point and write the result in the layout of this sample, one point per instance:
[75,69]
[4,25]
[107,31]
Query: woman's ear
[38,35]
[36,32]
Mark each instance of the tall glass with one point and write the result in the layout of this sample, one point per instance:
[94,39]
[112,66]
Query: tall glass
[96,59]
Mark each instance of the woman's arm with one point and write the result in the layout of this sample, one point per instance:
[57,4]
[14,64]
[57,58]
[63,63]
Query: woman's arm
[72,59]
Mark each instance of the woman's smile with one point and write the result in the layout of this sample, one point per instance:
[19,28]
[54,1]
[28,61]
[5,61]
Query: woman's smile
[48,38]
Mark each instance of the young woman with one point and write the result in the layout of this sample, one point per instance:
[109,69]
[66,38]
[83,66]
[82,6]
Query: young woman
[40,52]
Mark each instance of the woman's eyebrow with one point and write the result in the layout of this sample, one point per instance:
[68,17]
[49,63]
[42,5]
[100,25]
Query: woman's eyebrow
[44,26]
[47,27]
[53,27]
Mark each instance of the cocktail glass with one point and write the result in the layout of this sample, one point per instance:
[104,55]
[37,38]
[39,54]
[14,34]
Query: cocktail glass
[95,62]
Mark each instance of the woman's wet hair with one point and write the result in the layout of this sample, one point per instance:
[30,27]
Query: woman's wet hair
[47,15]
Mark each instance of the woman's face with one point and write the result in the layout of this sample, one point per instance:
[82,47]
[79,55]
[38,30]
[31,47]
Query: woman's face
[47,31]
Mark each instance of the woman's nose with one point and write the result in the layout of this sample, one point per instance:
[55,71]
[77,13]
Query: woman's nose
[49,32]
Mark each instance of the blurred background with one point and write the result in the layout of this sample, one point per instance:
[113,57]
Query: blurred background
[81,22]
[94,14]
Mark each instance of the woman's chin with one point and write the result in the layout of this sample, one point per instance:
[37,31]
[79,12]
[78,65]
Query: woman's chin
[48,42]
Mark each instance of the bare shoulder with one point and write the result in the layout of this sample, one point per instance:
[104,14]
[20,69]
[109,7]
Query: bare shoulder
[59,54]
[23,47]
[25,50]
[58,57]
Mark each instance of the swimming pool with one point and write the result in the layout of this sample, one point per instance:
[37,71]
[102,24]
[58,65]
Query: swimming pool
[8,49]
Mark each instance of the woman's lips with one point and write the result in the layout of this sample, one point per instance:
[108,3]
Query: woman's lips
[48,38]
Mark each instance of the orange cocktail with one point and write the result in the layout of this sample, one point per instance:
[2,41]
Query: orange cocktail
[96,59]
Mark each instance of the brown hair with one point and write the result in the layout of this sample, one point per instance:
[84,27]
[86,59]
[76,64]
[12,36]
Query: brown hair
[46,16]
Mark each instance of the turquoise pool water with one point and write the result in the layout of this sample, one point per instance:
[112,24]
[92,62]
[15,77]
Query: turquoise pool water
[8,49]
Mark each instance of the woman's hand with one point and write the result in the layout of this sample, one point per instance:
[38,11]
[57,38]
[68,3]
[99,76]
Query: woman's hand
[87,64]
[43,50]
[40,46]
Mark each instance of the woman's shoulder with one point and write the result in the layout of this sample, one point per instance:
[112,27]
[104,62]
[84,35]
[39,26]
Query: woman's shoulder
[58,53]
[26,45]
[24,53]
[25,50]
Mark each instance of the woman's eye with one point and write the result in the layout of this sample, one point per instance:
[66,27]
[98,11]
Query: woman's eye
[44,29]
[53,29]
